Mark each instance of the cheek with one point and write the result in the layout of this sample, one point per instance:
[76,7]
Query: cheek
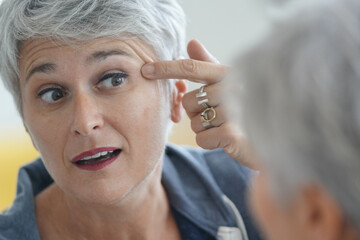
[49,144]
[143,117]
[151,120]
[48,134]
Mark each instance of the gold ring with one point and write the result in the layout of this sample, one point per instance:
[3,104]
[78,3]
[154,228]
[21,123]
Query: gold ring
[205,117]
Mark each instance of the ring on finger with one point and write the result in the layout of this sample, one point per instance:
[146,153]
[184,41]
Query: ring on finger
[202,94]
[206,124]
[205,117]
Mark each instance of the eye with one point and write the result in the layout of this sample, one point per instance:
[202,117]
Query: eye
[51,95]
[112,80]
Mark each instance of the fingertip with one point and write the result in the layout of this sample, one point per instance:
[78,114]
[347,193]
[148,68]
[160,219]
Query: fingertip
[148,70]
[181,85]
[195,45]
[197,51]
[194,42]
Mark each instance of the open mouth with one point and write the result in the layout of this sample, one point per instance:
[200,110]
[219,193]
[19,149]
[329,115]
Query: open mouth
[98,157]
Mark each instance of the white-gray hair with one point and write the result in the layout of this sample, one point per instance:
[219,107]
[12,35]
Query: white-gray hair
[299,97]
[159,23]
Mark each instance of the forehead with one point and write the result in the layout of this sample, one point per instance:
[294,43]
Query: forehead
[34,50]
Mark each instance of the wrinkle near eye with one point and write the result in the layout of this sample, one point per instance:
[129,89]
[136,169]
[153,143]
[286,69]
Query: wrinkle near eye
[43,68]
[143,51]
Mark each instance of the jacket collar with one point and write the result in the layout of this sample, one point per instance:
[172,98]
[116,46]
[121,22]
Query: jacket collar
[193,191]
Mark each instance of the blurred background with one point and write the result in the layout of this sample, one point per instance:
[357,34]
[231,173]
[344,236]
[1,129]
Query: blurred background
[225,27]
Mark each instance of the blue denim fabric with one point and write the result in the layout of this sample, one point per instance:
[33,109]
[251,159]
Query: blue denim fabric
[195,181]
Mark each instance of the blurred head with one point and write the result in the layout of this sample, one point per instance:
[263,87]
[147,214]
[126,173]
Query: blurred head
[298,92]
[74,69]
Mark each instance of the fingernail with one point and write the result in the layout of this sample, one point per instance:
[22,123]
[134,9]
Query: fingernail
[148,70]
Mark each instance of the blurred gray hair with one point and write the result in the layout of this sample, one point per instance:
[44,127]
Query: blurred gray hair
[159,23]
[299,97]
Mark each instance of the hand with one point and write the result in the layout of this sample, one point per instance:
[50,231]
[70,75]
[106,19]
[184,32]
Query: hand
[202,67]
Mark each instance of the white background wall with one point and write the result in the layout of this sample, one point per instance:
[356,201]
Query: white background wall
[224,27]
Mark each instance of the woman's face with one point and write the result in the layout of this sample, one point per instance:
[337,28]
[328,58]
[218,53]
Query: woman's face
[99,125]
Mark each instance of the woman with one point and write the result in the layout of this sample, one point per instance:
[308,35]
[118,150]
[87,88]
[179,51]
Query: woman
[298,92]
[76,71]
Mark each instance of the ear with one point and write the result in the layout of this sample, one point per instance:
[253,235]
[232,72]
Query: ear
[177,96]
[320,216]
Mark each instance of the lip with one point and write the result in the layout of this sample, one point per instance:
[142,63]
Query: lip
[97,165]
[92,152]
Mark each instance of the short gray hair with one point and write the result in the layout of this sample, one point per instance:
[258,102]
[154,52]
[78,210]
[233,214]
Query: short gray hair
[299,97]
[160,23]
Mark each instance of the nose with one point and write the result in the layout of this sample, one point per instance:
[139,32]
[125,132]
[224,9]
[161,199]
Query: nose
[86,115]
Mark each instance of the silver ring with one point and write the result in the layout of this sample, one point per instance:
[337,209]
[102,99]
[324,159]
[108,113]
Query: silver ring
[206,124]
[204,103]
[201,94]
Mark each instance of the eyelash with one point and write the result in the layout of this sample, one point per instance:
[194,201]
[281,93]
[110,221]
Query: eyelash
[114,76]
[43,92]
[111,76]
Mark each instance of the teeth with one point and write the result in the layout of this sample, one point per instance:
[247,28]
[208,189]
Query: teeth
[86,158]
[96,155]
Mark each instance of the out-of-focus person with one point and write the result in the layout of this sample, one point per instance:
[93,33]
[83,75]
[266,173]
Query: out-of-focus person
[297,95]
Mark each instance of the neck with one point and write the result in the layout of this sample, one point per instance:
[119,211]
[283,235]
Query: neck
[142,214]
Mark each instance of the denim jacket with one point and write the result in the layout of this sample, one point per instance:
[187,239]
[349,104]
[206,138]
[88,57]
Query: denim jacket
[206,186]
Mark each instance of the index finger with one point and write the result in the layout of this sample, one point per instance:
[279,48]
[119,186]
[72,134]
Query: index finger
[190,69]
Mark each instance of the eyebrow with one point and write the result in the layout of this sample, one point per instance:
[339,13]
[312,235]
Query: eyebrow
[102,55]
[43,68]
[96,56]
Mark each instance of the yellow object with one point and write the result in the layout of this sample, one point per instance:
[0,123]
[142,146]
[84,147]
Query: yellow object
[16,150]
[205,117]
